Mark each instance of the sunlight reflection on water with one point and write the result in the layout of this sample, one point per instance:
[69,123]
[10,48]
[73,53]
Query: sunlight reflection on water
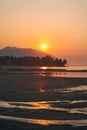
[79,88]
[59,107]
[64,74]
[47,105]
[64,90]
[47,122]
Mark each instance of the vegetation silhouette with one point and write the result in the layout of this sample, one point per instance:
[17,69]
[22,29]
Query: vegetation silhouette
[32,61]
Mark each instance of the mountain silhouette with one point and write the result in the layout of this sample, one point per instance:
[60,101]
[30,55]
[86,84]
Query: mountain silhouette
[20,52]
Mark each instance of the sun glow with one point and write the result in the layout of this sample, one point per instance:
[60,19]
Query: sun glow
[44,46]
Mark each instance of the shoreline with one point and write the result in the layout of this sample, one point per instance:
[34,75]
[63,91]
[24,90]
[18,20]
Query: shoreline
[40,68]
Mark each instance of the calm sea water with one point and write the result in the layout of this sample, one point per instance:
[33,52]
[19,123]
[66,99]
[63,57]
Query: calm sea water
[70,71]
[74,71]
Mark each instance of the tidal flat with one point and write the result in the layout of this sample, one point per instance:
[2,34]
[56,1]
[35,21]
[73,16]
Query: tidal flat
[30,101]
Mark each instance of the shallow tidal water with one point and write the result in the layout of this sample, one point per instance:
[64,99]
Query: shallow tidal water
[59,112]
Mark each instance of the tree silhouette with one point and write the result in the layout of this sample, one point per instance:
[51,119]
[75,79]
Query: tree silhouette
[32,61]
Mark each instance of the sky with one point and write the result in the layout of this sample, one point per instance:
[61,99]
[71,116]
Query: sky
[61,24]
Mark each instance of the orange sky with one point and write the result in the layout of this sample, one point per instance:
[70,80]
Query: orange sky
[61,24]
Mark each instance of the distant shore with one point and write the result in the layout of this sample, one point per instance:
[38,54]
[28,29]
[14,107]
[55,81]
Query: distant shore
[37,68]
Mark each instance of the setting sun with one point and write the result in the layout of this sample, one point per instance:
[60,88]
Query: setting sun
[44,46]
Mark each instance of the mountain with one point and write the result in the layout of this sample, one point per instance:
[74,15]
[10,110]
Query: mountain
[20,52]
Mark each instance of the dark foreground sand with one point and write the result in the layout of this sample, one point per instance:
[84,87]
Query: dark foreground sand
[26,87]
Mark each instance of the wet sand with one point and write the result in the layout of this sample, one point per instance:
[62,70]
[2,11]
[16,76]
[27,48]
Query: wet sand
[26,87]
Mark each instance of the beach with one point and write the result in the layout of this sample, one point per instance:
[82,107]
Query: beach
[43,65]
[30,101]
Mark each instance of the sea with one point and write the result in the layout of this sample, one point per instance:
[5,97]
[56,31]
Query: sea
[69,110]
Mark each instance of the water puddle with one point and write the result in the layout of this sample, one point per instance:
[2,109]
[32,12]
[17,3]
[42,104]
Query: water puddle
[79,88]
[47,122]
[49,105]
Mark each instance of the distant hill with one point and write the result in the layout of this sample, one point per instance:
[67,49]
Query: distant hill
[20,52]
[28,57]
